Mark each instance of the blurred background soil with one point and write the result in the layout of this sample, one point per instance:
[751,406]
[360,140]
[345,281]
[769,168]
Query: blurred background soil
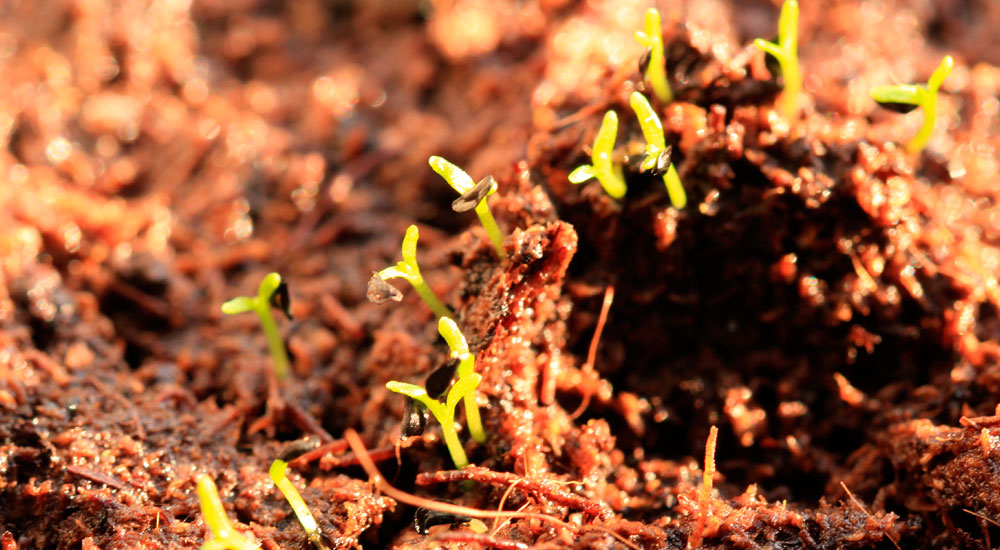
[827,301]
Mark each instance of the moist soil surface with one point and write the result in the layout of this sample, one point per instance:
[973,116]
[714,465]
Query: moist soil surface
[827,300]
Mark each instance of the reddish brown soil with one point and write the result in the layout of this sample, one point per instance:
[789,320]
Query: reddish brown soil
[829,302]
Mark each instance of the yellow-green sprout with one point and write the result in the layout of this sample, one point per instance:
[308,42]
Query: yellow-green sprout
[380,291]
[906,97]
[654,61]
[657,153]
[271,291]
[473,197]
[786,52]
[602,167]
[224,536]
[279,476]
[443,412]
[466,366]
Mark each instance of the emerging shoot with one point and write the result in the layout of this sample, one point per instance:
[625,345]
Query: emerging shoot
[380,291]
[443,412]
[271,291]
[653,64]
[466,366]
[473,198]
[299,506]
[602,168]
[657,153]
[224,536]
[906,97]
[786,52]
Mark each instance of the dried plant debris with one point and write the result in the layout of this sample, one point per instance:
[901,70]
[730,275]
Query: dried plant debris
[380,291]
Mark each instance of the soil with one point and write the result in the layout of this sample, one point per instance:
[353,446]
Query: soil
[826,300]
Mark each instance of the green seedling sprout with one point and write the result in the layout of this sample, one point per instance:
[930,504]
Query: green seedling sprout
[653,64]
[279,476]
[443,412]
[906,97]
[466,366]
[602,168]
[380,291]
[271,291]
[224,536]
[786,52]
[473,198]
[657,153]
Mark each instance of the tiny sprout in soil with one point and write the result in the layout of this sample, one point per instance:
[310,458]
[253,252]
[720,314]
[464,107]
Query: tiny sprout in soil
[443,412]
[380,291]
[224,536]
[466,366]
[602,168]
[786,52]
[657,153]
[473,198]
[279,476]
[653,64]
[906,97]
[271,291]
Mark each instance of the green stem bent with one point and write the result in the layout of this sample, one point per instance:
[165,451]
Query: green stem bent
[786,52]
[225,537]
[280,477]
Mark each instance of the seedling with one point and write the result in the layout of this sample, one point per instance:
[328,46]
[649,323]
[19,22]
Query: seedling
[657,153]
[653,64]
[443,412]
[279,476]
[271,291]
[907,97]
[380,291]
[224,536]
[786,52]
[466,366]
[473,197]
[602,168]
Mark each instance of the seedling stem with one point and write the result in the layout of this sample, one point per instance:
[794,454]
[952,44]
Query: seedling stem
[460,181]
[656,149]
[443,412]
[409,270]
[261,305]
[924,96]
[224,536]
[466,366]
[279,476]
[602,167]
[652,37]
[786,52]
